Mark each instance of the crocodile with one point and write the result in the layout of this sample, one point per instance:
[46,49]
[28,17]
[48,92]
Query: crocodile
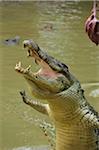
[75,120]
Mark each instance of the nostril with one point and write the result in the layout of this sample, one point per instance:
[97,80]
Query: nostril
[25,45]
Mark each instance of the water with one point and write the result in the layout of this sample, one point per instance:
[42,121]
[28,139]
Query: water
[58,27]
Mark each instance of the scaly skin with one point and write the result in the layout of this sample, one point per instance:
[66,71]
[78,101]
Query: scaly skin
[76,122]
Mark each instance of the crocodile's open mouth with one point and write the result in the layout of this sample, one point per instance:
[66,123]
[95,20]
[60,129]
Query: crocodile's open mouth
[53,76]
[50,67]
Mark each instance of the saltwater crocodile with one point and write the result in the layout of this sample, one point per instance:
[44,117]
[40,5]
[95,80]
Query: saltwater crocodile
[76,122]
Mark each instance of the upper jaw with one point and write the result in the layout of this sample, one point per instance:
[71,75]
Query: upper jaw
[38,54]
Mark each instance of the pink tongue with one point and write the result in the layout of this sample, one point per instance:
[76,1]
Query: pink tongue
[48,73]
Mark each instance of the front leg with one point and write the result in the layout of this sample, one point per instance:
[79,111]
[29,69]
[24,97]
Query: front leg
[43,108]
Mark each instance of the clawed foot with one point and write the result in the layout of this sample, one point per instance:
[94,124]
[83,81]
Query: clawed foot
[24,97]
[20,69]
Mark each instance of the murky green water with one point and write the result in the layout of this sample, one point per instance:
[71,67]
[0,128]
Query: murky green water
[58,27]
